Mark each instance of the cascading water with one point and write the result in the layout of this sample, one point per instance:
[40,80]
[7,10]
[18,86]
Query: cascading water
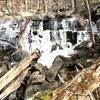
[51,37]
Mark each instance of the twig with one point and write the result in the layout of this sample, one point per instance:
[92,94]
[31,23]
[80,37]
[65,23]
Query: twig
[61,79]
[77,69]
[81,65]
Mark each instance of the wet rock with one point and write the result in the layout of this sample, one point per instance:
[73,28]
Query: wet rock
[72,37]
[84,45]
[34,88]
[2,31]
[87,50]
[12,96]
[97,93]
[54,47]
[52,73]
[37,78]
[30,91]
[40,68]
[48,24]
[36,81]
[18,94]
[6,50]
[18,56]
[38,74]
[3,69]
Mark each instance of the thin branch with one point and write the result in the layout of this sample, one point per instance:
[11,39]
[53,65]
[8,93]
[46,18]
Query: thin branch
[61,79]
[90,22]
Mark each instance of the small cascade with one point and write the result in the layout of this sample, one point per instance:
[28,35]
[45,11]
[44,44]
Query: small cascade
[51,36]
[70,24]
[8,30]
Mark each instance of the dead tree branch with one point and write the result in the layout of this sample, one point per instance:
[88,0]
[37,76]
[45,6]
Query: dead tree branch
[15,84]
[15,72]
[84,83]
[90,22]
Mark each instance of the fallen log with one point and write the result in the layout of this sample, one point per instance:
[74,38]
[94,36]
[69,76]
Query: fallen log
[81,86]
[15,84]
[84,83]
[15,73]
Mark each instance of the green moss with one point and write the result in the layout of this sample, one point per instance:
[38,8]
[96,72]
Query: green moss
[45,95]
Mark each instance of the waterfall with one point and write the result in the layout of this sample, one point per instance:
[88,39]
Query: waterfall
[52,37]
[8,29]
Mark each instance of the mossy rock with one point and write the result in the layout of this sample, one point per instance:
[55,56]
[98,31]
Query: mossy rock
[45,95]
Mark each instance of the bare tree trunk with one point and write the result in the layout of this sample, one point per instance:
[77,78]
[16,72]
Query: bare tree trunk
[61,4]
[26,5]
[6,1]
[58,7]
[44,6]
[12,7]
[30,3]
[50,4]
[38,5]
[74,5]
[21,4]
[90,22]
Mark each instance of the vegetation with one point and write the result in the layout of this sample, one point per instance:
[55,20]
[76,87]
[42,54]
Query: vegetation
[16,7]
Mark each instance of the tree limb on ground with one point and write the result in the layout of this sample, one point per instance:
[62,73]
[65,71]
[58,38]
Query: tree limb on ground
[84,83]
[14,85]
[14,73]
[77,89]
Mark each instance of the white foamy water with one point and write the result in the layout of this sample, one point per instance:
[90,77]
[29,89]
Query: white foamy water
[51,43]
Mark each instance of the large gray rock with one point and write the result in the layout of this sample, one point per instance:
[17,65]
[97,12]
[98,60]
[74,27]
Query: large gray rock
[52,73]
[3,69]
